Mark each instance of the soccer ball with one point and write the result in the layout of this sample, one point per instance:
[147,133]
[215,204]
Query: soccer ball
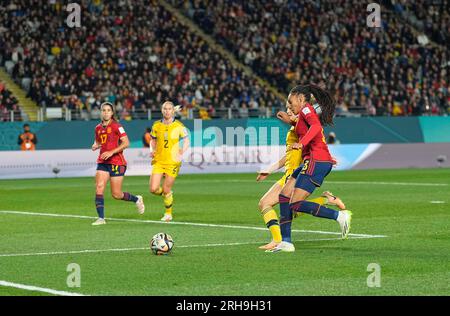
[161,244]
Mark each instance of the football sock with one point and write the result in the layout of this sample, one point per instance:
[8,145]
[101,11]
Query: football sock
[285,217]
[271,220]
[168,202]
[99,204]
[129,197]
[159,191]
[314,209]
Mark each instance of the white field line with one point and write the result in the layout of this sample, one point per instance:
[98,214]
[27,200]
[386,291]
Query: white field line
[254,181]
[38,289]
[330,182]
[51,253]
[179,223]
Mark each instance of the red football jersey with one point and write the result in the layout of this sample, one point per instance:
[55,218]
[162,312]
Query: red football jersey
[109,137]
[310,131]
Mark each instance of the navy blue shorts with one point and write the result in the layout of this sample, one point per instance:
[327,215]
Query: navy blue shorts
[114,170]
[310,174]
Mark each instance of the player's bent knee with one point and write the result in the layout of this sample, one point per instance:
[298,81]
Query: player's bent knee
[262,204]
[154,190]
[99,189]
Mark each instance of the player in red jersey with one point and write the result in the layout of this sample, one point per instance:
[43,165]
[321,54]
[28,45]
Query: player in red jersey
[111,138]
[317,163]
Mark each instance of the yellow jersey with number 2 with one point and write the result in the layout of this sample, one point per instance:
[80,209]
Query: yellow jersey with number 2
[168,138]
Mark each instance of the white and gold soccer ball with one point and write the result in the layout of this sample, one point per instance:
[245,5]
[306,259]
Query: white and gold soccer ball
[161,244]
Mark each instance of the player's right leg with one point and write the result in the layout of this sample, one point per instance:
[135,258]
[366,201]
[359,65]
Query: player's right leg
[101,178]
[155,181]
[265,205]
[168,197]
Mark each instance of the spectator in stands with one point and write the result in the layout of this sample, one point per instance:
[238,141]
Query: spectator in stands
[332,139]
[147,137]
[304,41]
[8,105]
[133,51]
[27,140]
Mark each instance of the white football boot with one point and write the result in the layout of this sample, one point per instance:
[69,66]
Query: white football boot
[166,218]
[140,204]
[99,221]
[283,246]
[345,219]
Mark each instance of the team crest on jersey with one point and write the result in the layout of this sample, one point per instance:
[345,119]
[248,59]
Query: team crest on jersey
[306,111]
[108,130]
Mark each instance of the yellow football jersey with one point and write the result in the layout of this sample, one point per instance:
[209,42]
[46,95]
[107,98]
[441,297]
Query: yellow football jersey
[293,157]
[167,138]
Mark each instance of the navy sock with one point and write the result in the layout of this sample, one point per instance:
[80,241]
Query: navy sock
[285,217]
[314,209]
[99,204]
[129,197]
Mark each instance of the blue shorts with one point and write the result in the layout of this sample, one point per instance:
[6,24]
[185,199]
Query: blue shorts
[310,174]
[113,170]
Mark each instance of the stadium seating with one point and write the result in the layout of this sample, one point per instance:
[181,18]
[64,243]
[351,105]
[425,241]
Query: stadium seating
[377,71]
[137,54]
[431,17]
[133,53]
[8,105]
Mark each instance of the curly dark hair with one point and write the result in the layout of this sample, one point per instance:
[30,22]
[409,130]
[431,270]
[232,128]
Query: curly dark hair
[323,97]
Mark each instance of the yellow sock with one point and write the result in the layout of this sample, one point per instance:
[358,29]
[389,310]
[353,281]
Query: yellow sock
[320,200]
[168,202]
[159,192]
[271,220]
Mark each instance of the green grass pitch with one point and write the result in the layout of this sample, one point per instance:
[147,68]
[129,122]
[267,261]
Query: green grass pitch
[414,258]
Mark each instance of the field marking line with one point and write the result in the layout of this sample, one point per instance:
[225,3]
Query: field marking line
[178,223]
[147,248]
[38,289]
[437,202]
[331,182]
[254,181]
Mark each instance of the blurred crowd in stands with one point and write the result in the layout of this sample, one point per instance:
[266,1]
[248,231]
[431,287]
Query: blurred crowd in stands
[377,71]
[136,54]
[8,103]
[132,53]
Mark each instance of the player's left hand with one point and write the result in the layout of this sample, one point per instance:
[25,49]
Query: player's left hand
[106,155]
[334,161]
[284,117]
[262,176]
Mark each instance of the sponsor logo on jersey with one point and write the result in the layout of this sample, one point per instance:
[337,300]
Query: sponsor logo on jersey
[306,111]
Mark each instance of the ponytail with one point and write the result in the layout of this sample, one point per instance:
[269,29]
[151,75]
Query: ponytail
[322,97]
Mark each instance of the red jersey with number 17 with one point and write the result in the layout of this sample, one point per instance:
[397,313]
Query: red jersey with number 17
[310,131]
[109,138]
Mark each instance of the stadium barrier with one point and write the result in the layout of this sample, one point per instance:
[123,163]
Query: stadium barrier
[221,159]
[79,134]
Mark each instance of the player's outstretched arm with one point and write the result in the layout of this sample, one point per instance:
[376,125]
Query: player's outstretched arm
[263,174]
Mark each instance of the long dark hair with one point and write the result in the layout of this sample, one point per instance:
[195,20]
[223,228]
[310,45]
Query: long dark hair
[323,97]
[112,109]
